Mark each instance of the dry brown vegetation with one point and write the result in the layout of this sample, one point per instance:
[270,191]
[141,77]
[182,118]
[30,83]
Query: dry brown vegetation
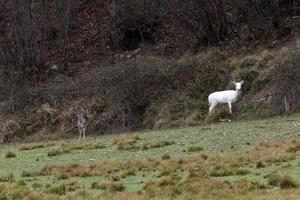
[199,171]
[267,152]
[198,176]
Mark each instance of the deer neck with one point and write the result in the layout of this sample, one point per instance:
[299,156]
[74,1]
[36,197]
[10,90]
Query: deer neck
[237,92]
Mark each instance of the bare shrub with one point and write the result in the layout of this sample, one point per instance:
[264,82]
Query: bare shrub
[134,21]
[205,19]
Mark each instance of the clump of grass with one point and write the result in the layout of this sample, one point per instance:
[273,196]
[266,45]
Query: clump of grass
[30,174]
[166,157]
[136,137]
[260,164]
[26,147]
[128,172]
[17,190]
[219,172]
[63,176]
[293,149]
[194,149]
[98,146]
[57,151]
[7,178]
[10,154]
[124,143]
[242,172]
[109,186]
[115,178]
[166,181]
[164,173]
[160,144]
[85,174]
[59,189]
[288,182]
[95,186]
[223,172]
[36,185]
[134,143]
[73,186]
[150,187]
[248,185]
[20,183]
[284,182]
[273,179]
[68,148]
[116,187]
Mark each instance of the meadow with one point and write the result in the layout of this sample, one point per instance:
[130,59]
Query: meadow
[257,159]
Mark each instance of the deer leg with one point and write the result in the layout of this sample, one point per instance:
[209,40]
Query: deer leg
[83,132]
[212,107]
[230,107]
[79,129]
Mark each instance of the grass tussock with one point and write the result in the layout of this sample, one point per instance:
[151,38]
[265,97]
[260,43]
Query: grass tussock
[10,154]
[192,149]
[31,146]
[219,172]
[165,157]
[58,151]
[294,148]
[108,186]
[260,164]
[7,178]
[284,182]
[59,189]
[32,173]
[68,148]
[134,143]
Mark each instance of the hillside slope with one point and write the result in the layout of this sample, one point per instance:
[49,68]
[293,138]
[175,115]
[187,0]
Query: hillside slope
[136,65]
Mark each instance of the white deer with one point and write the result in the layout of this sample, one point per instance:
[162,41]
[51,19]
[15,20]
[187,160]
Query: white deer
[227,96]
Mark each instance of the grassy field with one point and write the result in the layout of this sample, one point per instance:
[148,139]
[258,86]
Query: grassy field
[232,160]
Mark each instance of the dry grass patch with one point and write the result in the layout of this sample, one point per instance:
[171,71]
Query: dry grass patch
[193,176]
[295,147]
[284,182]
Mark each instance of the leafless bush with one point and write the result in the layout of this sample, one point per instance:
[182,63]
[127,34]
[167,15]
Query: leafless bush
[284,81]
[25,31]
[135,21]
[205,19]
[126,90]
[260,19]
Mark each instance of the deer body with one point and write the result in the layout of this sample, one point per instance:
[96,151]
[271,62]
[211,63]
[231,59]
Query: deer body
[81,123]
[227,96]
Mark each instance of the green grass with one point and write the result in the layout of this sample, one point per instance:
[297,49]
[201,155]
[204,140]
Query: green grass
[108,168]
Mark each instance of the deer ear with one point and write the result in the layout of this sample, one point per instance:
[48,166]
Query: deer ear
[234,82]
[242,82]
